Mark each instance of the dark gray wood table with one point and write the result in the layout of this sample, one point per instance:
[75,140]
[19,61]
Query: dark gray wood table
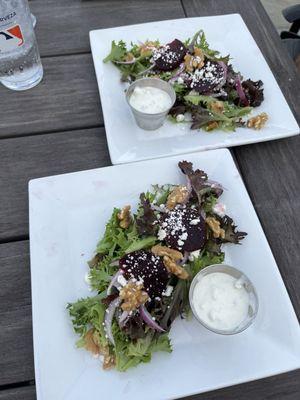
[58,127]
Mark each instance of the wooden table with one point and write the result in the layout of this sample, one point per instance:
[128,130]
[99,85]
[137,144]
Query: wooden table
[58,127]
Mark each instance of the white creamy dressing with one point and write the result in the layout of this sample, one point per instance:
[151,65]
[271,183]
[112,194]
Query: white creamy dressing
[150,100]
[221,301]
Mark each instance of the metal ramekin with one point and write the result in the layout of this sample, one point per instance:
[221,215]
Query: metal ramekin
[253,299]
[147,121]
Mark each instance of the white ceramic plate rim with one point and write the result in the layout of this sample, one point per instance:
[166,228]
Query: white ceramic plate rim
[46,195]
[137,143]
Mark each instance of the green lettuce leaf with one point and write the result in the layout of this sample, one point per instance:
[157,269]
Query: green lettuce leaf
[131,353]
[86,312]
[228,120]
[204,260]
[140,244]
[117,52]
[117,241]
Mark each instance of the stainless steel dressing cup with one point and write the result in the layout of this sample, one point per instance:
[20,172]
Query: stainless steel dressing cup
[149,121]
[244,280]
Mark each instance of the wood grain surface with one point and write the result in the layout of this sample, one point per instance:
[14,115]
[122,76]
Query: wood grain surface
[67,98]
[39,156]
[63,26]
[16,352]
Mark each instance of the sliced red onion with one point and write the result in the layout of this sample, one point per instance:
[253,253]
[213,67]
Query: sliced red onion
[147,318]
[185,258]
[214,184]
[222,93]
[218,188]
[114,263]
[203,214]
[146,70]
[126,62]
[178,73]
[240,91]
[114,281]
[109,314]
[123,318]
[194,41]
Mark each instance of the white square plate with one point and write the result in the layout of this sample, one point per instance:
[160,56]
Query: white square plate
[67,217]
[226,33]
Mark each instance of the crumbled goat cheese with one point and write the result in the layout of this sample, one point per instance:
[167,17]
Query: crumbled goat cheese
[180,118]
[219,209]
[161,234]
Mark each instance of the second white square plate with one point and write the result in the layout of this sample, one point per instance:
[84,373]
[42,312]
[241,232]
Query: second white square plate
[226,33]
[68,214]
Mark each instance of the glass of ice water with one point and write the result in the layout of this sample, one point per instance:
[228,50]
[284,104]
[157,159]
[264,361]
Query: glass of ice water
[20,63]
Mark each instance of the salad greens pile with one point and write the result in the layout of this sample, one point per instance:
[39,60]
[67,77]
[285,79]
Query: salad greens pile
[144,265]
[210,94]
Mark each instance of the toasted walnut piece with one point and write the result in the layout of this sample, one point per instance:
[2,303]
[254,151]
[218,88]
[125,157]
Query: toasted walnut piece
[217,107]
[212,125]
[129,57]
[133,296]
[258,122]
[195,61]
[109,361]
[175,268]
[161,251]
[90,344]
[179,195]
[214,225]
[188,62]
[124,217]
[147,48]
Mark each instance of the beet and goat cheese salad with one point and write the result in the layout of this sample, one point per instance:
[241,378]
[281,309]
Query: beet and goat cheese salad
[144,265]
[210,94]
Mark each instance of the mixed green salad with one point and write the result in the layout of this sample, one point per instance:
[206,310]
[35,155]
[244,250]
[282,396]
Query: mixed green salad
[210,94]
[144,265]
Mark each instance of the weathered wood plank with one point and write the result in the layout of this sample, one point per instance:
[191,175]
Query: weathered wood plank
[22,159]
[67,98]
[21,393]
[266,36]
[16,352]
[63,26]
[280,387]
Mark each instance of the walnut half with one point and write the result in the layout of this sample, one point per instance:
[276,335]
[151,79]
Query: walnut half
[161,251]
[195,61]
[133,296]
[179,195]
[214,225]
[124,217]
[170,259]
[93,345]
[258,122]
[217,106]
[174,268]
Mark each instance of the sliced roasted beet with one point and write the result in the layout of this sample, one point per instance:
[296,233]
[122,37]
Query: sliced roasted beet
[169,56]
[208,78]
[184,228]
[145,266]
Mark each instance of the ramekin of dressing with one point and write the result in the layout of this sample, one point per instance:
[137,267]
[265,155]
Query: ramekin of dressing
[223,299]
[150,100]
